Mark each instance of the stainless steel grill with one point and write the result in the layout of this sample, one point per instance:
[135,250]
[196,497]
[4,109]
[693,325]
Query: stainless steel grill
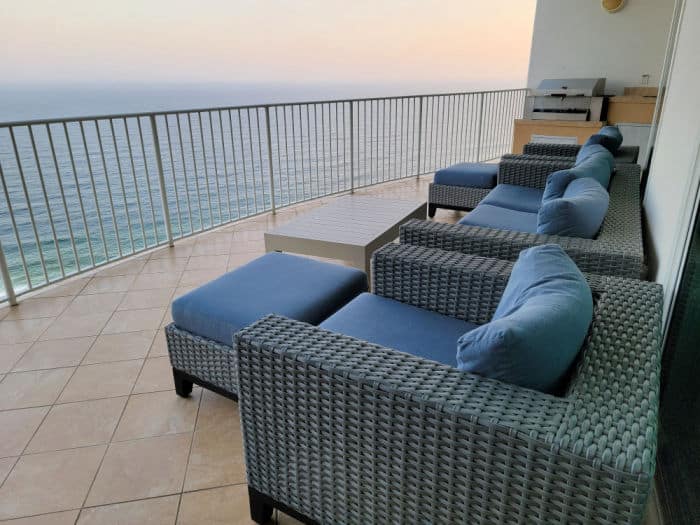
[567,99]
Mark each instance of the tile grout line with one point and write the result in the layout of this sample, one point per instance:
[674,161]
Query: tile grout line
[189,455]
[148,498]
[119,419]
[57,396]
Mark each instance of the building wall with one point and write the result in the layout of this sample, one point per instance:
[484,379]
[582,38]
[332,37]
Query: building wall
[578,39]
[671,197]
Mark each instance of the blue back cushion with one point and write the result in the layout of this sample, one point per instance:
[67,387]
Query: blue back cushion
[578,213]
[539,325]
[595,150]
[595,167]
[609,137]
[556,184]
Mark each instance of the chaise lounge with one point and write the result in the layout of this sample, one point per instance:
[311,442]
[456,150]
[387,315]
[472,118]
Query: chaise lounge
[340,429]
[601,231]
[462,186]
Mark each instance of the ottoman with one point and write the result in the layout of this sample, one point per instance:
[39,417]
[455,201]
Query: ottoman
[461,186]
[200,337]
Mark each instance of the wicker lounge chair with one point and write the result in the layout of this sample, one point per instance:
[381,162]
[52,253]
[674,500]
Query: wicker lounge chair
[338,430]
[466,198]
[617,250]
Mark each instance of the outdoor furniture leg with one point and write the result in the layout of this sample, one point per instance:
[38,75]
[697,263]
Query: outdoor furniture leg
[183,386]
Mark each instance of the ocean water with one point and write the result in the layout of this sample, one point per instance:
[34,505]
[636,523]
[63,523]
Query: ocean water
[81,193]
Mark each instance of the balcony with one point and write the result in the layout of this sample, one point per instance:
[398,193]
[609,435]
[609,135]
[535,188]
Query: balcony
[106,220]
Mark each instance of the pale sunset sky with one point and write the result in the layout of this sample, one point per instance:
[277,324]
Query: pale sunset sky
[448,44]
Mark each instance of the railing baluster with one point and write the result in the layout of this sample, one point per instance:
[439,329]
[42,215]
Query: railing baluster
[80,194]
[161,180]
[279,157]
[175,185]
[6,279]
[301,154]
[63,197]
[136,184]
[42,183]
[269,159]
[121,184]
[206,171]
[286,154]
[480,127]
[352,149]
[223,154]
[148,180]
[235,174]
[10,209]
[252,163]
[245,174]
[184,173]
[260,156]
[100,222]
[196,172]
[30,208]
[420,132]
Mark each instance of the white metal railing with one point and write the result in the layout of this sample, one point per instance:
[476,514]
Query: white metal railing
[82,192]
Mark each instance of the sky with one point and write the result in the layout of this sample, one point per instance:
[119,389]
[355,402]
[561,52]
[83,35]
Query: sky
[457,44]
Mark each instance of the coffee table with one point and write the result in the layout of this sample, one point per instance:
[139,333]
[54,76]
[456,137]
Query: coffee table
[350,228]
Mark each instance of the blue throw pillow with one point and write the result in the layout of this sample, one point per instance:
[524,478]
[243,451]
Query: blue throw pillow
[595,167]
[539,325]
[556,184]
[596,151]
[578,213]
[609,137]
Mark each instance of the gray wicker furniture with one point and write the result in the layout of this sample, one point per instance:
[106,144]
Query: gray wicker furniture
[617,250]
[625,154]
[338,430]
[510,168]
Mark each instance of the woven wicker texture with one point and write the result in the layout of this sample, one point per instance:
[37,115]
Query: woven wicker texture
[626,154]
[560,150]
[345,431]
[463,197]
[533,173]
[203,358]
[539,157]
[617,250]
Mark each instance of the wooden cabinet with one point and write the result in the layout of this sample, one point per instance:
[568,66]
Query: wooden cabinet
[524,129]
[631,109]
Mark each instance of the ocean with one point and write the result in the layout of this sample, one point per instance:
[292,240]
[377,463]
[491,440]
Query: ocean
[86,192]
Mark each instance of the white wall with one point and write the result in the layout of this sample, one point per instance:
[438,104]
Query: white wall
[672,190]
[578,39]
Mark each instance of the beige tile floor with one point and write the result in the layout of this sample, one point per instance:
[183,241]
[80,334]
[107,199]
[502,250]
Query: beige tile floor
[91,430]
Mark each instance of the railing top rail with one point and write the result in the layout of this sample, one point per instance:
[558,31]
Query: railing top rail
[146,114]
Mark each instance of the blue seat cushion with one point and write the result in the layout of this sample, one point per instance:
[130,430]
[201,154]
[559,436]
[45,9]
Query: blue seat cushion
[470,174]
[578,213]
[539,325]
[609,137]
[499,218]
[397,325]
[519,198]
[289,285]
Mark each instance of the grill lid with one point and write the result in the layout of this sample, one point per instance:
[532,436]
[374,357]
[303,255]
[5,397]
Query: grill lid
[563,87]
